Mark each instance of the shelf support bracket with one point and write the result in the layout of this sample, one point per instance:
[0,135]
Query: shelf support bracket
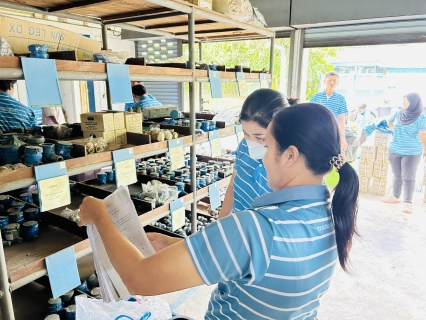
[105,47]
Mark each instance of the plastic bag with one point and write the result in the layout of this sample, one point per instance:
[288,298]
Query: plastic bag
[93,309]
[5,48]
[105,56]
[159,191]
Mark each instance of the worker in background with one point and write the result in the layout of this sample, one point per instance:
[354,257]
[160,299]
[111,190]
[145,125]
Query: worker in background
[142,99]
[272,261]
[53,115]
[249,180]
[334,102]
[406,149]
[13,114]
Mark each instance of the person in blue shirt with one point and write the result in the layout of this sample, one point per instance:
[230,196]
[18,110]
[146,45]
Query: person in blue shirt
[334,102]
[142,99]
[406,149]
[272,261]
[249,179]
[13,114]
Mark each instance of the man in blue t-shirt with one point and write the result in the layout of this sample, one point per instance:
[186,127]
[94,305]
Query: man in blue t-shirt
[13,114]
[142,99]
[334,102]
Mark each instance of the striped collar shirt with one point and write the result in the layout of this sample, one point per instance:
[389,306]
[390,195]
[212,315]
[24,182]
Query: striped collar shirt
[336,103]
[273,261]
[250,181]
[14,114]
[145,101]
[406,140]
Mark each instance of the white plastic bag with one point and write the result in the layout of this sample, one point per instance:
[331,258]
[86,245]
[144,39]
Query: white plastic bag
[92,309]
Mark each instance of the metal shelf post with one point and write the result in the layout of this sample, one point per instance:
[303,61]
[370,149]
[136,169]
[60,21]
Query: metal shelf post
[191,47]
[5,294]
[105,47]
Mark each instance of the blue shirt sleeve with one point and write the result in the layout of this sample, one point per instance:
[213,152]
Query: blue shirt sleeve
[238,155]
[421,123]
[343,108]
[237,247]
[393,118]
[314,98]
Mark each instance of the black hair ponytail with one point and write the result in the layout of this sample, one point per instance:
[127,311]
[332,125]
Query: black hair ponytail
[314,131]
[345,208]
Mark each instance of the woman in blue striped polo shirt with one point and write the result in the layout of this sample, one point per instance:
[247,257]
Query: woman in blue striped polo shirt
[406,149]
[272,261]
[249,180]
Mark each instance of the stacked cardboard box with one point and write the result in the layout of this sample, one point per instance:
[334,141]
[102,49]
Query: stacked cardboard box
[379,187]
[112,126]
[380,169]
[364,184]
[381,138]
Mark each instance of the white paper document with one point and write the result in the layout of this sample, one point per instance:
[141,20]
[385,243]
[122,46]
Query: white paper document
[123,213]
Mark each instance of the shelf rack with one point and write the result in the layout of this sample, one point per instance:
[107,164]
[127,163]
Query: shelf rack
[166,18]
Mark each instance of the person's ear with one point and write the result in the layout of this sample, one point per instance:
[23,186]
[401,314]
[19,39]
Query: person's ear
[290,156]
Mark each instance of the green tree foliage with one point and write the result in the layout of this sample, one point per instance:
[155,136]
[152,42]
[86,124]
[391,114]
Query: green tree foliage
[318,65]
[256,54]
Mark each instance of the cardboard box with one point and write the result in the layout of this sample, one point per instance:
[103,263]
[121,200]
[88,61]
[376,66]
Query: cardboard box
[133,122]
[121,136]
[379,187]
[380,169]
[109,136]
[158,112]
[202,3]
[20,34]
[382,153]
[118,119]
[381,138]
[97,121]
[368,153]
[365,169]
[364,184]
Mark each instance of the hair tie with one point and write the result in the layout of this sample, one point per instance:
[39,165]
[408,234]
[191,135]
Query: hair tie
[338,161]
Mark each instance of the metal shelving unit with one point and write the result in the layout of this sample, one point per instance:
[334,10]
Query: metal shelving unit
[167,18]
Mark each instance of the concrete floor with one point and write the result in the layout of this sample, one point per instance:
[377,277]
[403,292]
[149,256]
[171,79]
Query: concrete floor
[387,280]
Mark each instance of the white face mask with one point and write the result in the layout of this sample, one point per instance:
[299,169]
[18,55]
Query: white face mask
[256,150]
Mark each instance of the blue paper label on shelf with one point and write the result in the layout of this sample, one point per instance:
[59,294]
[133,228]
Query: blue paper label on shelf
[119,83]
[176,153]
[40,74]
[62,271]
[214,196]
[177,211]
[242,84]
[53,185]
[264,84]
[125,167]
[215,85]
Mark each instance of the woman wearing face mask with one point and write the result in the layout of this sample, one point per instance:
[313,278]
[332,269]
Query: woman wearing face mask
[272,261]
[406,149]
[249,179]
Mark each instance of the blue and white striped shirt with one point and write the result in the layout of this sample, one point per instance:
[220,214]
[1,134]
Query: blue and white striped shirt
[251,181]
[14,114]
[145,101]
[273,261]
[336,103]
[406,140]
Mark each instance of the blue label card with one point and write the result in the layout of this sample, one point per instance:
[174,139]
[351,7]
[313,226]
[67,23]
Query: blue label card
[125,168]
[41,80]
[215,144]
[242,84]
[53,185]
[215,86]
[214,195]
[176,153]
[62,271]
[177,210]
[263,81]
[119,83]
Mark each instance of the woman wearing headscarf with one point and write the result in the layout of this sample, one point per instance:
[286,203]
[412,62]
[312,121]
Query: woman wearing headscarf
[406,149]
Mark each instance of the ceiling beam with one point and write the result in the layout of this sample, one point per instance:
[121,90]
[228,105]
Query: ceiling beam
[136,14]
[177,24]
[74,5]
[210,31]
